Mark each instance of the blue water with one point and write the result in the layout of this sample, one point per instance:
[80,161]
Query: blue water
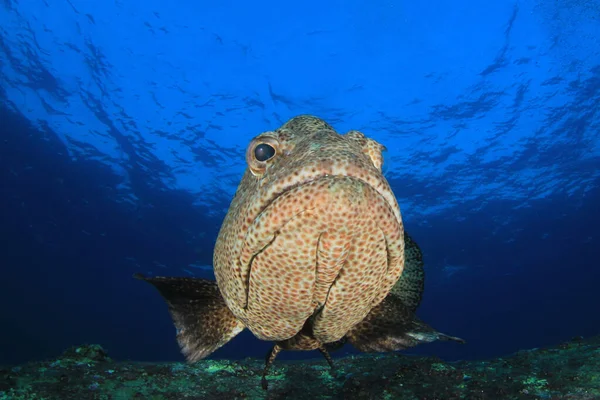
[123,126]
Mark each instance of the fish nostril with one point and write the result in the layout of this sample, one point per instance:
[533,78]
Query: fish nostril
[385,162]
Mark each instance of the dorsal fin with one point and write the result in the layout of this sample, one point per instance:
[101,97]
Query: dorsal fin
[409,287]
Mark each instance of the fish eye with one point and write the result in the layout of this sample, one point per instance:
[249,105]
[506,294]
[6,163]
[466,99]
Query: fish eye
[261,151]
[264,152]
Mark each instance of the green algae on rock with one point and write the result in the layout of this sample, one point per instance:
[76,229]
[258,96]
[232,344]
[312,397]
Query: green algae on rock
[567,371]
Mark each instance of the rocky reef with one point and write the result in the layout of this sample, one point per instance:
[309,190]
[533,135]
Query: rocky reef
[567,371]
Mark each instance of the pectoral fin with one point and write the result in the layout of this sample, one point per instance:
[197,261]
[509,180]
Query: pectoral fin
[392,326]
[203,321]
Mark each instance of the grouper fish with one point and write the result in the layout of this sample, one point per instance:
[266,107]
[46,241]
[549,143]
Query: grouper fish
[312,254]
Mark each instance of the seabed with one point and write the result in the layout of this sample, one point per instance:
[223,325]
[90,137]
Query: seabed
[568,371]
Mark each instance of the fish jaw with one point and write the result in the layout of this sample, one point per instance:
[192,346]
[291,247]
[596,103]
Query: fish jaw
[330,248]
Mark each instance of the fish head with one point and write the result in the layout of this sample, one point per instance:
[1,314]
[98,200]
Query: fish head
[313,234]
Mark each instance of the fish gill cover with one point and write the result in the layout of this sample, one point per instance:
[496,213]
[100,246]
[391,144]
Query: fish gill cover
[124,127]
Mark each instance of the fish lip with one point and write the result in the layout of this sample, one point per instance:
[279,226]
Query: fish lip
[384,191]
[287,189]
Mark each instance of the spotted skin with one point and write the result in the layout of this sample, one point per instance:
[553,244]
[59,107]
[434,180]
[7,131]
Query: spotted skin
[314,232]
[312,253]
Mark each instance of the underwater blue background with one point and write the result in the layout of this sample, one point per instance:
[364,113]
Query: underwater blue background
[123,127]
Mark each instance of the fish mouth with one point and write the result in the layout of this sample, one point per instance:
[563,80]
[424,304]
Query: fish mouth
[375,181]
[372,178]
[281,260]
